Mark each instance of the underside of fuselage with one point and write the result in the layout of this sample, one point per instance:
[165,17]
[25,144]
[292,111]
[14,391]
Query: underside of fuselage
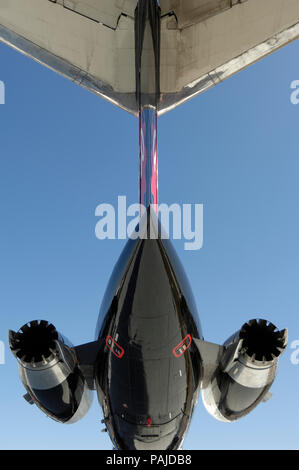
[148,373]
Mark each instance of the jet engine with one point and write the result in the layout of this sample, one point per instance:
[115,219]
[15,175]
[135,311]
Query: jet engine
[246,370]
[49,371]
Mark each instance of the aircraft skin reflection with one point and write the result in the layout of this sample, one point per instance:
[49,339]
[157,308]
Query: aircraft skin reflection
[149,391]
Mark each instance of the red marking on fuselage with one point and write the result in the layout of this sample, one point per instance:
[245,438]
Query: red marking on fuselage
[148,158]
[115,348]
[142,160]
[154,162]
[182,347]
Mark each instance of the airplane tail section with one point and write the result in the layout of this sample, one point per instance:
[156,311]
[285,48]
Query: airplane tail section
[60,378]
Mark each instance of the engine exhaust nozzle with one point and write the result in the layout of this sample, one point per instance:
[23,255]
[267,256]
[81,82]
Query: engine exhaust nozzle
[35,342]
[262,341]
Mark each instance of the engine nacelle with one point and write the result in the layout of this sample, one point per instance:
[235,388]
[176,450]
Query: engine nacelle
[246,370]
[49,372]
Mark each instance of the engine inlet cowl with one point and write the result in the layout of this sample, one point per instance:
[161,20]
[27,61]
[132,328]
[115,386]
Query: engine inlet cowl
[35,342]
[262,341]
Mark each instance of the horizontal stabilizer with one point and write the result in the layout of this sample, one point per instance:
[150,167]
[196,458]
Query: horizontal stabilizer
[92,42]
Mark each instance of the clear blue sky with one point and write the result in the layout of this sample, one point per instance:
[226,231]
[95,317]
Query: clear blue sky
[234,149]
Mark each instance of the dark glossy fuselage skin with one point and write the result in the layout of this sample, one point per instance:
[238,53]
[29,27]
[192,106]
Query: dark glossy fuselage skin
[146,386]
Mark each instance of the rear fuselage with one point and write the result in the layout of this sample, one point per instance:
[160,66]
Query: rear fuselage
[148,371]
